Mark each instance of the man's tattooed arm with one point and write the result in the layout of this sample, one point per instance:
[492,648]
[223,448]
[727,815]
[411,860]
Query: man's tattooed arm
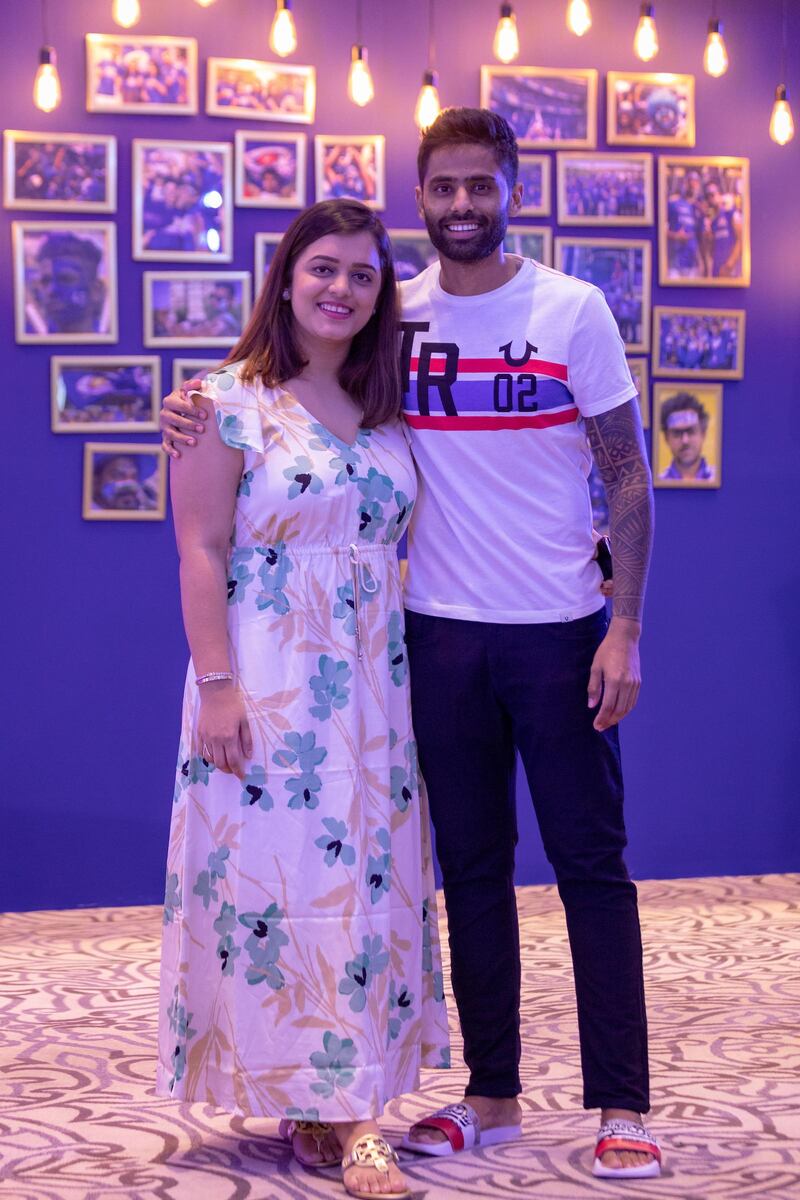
[618,448]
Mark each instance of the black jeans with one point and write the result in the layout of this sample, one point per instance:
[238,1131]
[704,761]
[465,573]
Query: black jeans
[479,693]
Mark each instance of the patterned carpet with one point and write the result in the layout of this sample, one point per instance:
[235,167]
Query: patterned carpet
[78,1120]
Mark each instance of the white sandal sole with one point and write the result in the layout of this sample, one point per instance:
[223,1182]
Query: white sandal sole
[489,1137]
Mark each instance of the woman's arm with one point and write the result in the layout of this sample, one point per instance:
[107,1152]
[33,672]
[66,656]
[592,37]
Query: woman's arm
[203,487]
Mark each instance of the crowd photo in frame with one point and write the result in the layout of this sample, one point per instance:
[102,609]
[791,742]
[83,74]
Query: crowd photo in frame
[704,221]
[253,90]
[351,168]
[182,201]
[545,106]
[649,109]
[195,308]
[105,393]
[65,281]
[126,73]
[123,481]
[621,268]
[59,172]
[534,176]
[530,241]
[184,369]
[687,434]
[604,189]
[413,252]
[701,343]
[270,169]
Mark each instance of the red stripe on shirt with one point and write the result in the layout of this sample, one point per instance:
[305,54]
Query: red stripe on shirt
[491,366]
[517,421]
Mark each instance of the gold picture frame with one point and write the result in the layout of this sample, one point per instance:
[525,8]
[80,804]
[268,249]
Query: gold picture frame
[251,89]
[638,369]
[352,167]
[88,250]
[151,155]
[82,384]
[191,368]
[512,92]
[136,494]
[626,285]
[413,252]
[646,108]
[713,349]
[530,241]
[694,259]
[76,174]
[178,308]
[118,78]
[535,175]
[291,192]
[707,442]
[265,245]
[575,170]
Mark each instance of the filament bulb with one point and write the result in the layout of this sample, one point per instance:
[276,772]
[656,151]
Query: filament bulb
[715,55]
[283,35]
[506,38]
[645,41]
[47,85]
[579,17]
[360,87]
[428,106]
[126,12]
[781,123]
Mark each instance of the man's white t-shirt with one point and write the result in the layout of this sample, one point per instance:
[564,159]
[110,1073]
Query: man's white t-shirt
[496,385]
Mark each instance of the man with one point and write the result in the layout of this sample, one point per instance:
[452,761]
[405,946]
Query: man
[684,422]
[684,225]
[723,233]
[66,290]
[508,649]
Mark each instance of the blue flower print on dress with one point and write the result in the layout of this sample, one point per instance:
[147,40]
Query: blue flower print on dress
[227,950]
[375,486]
[264,944]
[244,484]
[379,868]
[172,898]
[333,1064]
[302,1114]
[223,380]
[404,781]
[254,789]
[370,520]
[196,770]
[231,430]
[361,970]
[396,525]
[180,1023]
[401,1008]
[303,478]
[204,887]
[273,573]
[427,948]
[396,649]
[344,609]
[329,687]
[333,843]
[303,750]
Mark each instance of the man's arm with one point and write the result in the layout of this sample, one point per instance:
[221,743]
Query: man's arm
[181,417]
[617,445]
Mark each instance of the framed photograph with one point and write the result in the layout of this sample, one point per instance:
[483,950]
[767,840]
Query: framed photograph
[60,172]
[701,343]
[638,369]
[65,281]
[649,109]
[182,201]
[105,394]
[261,91]
[184,369]
[604,189]
[534,175]
[704,221]
[124,482]
[621,268]
[266,244]
[597,494]
[351,167]
[544,106]
[413,252]
[191,308]
[530,241]
[130,74]
[687,435]
[270,169]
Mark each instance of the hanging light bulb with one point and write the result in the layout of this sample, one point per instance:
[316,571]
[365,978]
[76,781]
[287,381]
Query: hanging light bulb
[645,40]
[579,17]
[781,123]
[204,3]
[715,55]
[47,85]
[283,35]
[360,87]
[506,39]
[126,12]
[428,106]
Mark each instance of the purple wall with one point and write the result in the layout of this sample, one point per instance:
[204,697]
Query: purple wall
[94,652]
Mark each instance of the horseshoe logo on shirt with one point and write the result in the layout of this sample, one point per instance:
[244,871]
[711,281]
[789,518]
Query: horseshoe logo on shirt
[518,362]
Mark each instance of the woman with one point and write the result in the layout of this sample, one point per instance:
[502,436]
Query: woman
[300,971]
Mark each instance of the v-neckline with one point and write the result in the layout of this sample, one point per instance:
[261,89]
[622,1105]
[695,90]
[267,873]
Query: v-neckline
[312,420]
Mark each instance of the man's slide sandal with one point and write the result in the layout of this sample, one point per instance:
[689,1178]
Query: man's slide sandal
[376,1153]
[626,1135]
[462,1127]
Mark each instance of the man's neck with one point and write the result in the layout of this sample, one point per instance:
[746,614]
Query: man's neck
[475,278]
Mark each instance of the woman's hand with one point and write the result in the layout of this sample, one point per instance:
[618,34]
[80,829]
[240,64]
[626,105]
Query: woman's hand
[223,730]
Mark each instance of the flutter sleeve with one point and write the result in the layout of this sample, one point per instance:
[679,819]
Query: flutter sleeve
[236,407]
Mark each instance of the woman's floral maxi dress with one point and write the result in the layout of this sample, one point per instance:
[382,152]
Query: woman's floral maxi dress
[300,970]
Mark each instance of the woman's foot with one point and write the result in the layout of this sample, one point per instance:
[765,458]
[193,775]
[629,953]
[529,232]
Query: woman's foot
[314,1143]
[369,1180]
[623,1158]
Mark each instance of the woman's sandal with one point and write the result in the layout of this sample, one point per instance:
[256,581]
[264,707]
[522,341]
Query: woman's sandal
[319,1131]
[374,1152]
[626,1135]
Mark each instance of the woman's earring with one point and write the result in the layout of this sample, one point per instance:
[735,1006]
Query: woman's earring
[286,294]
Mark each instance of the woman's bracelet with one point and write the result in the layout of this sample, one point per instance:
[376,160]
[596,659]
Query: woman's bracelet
[213,676]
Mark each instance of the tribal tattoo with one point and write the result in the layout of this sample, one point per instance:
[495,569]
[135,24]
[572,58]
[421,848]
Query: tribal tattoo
[617,445]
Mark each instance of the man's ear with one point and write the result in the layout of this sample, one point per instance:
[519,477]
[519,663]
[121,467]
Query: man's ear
[418,198]
[515,200]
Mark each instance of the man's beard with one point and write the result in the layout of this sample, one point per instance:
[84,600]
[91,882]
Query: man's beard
[488,237]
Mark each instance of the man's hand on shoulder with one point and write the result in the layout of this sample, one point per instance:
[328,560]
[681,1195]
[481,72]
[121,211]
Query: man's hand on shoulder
[616,674]
[181,418]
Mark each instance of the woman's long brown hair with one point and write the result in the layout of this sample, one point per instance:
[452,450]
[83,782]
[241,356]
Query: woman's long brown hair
[268,348]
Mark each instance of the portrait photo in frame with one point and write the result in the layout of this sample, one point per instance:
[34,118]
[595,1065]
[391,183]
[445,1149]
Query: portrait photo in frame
[534,175]
[621,268]
[265,246]
[270,169]
[413,252]
[65,281]
[184,369]
[687,434]
[649,109]
[253,90]
[704,221]
[126,73]
[701,343]
[182,201]
[351,168]
[530,241]
[59,172]
[123,481]
[638,369]
[195,308]
[545,106]
[604,189]
[96,393]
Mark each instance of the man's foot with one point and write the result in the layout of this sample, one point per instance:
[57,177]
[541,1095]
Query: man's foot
[623,1158]
[365,1180]
[493,1113]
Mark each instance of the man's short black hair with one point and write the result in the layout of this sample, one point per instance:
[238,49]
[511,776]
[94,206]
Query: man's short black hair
[68,245]
[471,126]
[683,402]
